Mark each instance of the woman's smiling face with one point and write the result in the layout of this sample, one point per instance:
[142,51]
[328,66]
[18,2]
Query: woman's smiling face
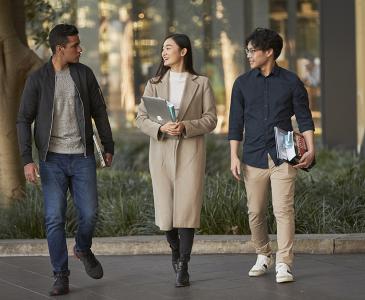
[171,53]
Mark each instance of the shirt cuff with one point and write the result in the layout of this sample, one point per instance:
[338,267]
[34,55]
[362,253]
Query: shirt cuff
[235,136]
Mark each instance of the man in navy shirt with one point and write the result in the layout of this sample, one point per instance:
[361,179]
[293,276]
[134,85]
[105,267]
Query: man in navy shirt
[265,97]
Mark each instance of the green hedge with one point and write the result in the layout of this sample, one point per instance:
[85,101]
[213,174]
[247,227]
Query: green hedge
[329,199]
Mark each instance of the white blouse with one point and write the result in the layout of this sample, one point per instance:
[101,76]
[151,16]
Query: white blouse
[176,85]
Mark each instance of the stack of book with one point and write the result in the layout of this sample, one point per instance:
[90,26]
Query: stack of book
[290,146]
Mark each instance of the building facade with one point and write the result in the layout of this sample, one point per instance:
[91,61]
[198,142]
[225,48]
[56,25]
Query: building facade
[323,43]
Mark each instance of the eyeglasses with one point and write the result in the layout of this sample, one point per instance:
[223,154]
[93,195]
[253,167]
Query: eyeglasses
[251,51]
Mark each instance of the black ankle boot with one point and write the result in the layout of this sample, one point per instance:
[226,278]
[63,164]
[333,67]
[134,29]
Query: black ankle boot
[182,275]
[175,253]
[175,258]
[92,266]
[61,284]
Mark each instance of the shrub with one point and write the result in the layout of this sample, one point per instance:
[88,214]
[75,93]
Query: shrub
[329,199]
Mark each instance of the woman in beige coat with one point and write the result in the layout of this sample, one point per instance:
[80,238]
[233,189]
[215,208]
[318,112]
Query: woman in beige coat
[177,149]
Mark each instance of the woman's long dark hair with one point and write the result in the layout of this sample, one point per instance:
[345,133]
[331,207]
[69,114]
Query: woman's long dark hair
[183,41]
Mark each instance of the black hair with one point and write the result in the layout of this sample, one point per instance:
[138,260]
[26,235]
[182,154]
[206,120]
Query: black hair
[183,41]
[58,35]
[265,39]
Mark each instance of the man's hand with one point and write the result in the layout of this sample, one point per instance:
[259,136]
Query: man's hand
[31,172]
[235,160]
[305,161]
[108,159]
[173,128]
[236,168]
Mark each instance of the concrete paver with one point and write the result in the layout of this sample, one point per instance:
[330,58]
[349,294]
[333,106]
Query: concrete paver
[217,276]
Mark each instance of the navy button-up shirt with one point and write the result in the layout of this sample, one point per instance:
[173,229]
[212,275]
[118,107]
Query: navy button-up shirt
[260,103]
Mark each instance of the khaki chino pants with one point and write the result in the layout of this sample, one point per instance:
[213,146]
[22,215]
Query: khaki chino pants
[257,182]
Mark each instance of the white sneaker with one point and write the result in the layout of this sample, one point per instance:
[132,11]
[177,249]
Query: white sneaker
[262,265]
[283,273]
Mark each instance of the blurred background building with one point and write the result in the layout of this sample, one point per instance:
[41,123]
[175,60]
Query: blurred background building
[324,42]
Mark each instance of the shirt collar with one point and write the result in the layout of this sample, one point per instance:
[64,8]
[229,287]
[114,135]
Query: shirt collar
[275,71]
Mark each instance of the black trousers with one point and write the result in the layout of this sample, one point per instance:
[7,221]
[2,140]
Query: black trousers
[181,242]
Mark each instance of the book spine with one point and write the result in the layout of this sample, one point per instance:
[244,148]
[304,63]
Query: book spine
[99,152]
[300,145]
[172,112]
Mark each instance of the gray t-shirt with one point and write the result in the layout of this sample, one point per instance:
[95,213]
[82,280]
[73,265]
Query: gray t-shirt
[65,135]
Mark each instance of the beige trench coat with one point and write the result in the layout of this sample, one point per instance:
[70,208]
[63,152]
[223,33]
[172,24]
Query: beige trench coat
[177,166]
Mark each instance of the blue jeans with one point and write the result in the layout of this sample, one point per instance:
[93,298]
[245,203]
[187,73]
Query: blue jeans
[77,173]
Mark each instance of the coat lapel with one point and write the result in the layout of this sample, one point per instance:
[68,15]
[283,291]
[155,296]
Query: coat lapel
[162,88]
[190,88]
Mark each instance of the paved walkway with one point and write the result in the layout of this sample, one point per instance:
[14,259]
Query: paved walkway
[335,277]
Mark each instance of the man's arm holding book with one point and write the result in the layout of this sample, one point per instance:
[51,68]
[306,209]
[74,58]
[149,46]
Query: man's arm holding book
[305,123]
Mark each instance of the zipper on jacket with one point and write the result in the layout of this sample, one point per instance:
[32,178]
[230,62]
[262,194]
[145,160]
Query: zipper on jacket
[83,118]
[50,130]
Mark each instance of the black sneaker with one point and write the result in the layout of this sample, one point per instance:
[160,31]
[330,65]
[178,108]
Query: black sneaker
[60,285]
[92,266]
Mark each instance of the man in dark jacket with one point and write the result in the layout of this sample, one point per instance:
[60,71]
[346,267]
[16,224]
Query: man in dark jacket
[62,98]
[265,97]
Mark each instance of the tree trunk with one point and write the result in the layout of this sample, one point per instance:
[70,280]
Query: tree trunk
[229,70]
[16,61]
[127,74]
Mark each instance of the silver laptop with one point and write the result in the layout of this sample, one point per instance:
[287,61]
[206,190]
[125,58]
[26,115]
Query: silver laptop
[157,109]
